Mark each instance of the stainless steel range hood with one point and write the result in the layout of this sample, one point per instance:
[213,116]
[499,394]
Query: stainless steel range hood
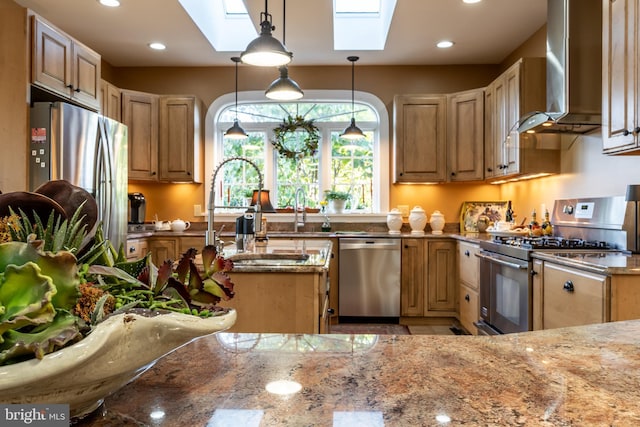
[574,69]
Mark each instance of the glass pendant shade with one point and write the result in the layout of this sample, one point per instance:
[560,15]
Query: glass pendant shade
[266,50]
[235,131]
[283,88]
[352,132]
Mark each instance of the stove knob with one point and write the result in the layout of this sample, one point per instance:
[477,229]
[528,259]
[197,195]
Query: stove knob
[568,209]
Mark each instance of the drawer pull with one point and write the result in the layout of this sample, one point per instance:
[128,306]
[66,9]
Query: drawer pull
[568,286]
[467,298]
[466,253]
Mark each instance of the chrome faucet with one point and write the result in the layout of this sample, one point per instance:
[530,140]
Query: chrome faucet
[296,207]
[210,237]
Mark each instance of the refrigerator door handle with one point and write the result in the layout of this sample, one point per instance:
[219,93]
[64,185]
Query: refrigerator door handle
[104,176]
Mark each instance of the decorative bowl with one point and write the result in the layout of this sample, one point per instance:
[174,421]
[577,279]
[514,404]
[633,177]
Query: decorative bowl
[119,350]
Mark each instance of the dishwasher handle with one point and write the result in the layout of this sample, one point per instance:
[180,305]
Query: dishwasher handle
[370,244]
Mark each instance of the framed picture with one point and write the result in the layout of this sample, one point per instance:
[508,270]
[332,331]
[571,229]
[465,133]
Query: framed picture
[472,210]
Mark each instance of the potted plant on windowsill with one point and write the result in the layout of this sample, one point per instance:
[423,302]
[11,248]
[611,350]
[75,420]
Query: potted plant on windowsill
[337,200]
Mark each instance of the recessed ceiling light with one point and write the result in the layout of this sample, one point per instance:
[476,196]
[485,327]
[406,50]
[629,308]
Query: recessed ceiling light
[157,46]
[444,44]
[110,3]
[471,1]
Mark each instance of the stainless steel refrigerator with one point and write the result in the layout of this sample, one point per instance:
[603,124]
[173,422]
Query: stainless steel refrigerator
[86,149]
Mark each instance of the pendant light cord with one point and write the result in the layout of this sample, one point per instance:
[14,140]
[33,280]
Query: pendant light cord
[353,84]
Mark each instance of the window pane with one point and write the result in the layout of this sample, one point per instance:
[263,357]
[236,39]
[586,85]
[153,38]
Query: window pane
[294,173]
[240,178]
[352,169]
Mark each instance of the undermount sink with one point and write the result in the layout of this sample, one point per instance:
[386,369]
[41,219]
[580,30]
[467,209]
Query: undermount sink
[268,258]
[283,253]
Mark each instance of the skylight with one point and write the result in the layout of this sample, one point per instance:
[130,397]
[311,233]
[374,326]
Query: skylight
[225,23]
[361,24]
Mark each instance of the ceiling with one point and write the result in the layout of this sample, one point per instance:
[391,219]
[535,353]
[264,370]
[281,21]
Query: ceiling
[484,33]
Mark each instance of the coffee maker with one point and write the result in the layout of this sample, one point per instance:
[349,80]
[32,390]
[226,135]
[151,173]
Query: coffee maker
[137,206]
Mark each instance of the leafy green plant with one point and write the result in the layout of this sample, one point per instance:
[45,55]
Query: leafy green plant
[336,195]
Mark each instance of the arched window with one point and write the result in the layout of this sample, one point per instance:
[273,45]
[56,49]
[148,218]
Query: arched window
[358,167]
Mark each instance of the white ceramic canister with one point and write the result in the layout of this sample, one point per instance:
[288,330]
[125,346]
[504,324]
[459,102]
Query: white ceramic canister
[417,220]
[436,222]
[394,221]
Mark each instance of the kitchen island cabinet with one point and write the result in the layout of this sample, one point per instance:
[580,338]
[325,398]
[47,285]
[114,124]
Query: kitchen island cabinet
[580,376]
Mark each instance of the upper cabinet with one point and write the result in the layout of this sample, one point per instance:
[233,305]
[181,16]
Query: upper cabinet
[180,139]
[110,101]
[419,138]
[521,89]
[140,114]
[465,135]
[620,68]
[62,65]
[165,137]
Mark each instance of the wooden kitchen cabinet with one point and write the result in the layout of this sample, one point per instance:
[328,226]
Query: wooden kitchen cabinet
[521,89]
[413,277]
[110,101]
[620,71]
[163,248]
[165,136]
[279,302]
[441,279]
[419,139]
[63,65]
[469,285]
[140,114]
[573,297]
[465,135]
[136,249]
[180,143]
[428,278]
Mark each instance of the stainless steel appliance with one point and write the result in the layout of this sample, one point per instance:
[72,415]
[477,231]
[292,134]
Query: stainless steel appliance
[369,279]
[137,208]
[89,151]
[591,226]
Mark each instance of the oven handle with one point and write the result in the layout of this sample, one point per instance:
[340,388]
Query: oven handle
[501,262]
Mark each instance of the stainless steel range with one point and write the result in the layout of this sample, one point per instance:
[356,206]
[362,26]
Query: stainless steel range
[593,226]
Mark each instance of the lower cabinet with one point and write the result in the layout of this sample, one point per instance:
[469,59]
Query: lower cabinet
[564,296]
[428,283]
[469,285]
[276,302]
[136,249]
[163,249]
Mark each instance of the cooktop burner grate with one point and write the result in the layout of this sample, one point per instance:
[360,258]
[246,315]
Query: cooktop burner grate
[549,242]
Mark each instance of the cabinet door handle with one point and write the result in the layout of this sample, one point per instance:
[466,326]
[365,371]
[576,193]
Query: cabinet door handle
[467,298]
[489,169]
[453,174]
[568,286]
[466,253]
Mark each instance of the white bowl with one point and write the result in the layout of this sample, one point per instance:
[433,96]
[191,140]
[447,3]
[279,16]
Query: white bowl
[119,350]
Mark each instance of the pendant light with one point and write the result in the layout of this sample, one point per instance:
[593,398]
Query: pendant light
[235,131]
[283,88]
[266,50]
[352,131]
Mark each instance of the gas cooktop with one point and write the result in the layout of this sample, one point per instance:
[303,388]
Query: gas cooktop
[550,242]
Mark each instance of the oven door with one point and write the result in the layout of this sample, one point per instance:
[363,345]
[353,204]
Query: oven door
[505,294]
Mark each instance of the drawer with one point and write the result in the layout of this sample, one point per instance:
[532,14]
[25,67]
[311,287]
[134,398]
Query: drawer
[136,249]
[469,264]
[469,309]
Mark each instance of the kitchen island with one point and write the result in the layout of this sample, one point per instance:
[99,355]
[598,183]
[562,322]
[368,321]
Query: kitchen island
[582,376]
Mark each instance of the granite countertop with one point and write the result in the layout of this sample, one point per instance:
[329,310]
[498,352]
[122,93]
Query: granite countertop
[579,376]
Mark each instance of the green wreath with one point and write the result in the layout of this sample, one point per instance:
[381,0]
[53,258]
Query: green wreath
[289,126]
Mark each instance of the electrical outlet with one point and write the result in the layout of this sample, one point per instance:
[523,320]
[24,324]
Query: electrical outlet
[197,210]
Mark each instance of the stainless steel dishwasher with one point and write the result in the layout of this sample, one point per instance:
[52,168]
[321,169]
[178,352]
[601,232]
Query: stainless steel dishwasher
[369,283]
